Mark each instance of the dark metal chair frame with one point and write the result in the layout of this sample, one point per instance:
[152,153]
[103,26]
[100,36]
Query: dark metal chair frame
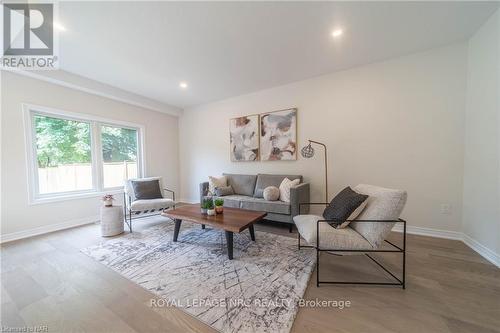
[127,200]
[394,249]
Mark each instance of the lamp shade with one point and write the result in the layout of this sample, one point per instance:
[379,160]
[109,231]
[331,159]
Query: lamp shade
[307,151]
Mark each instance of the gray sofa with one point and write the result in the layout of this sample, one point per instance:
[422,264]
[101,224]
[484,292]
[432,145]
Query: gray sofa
[248,195]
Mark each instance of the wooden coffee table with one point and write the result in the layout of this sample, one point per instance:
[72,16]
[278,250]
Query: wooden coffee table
[231,221]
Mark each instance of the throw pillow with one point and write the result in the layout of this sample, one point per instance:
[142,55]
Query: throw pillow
[285,187]
[271,193]
[214,182]
[353,216]
[224,190]
[146,189]
[343,205]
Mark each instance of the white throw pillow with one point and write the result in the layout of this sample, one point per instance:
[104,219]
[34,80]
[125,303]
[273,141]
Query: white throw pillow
[353,215]
[214,182]
[285,186]
[271,193]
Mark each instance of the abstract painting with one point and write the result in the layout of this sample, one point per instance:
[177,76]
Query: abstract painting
[244,138]
[278,135]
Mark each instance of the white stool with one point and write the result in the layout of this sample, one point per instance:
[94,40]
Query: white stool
[111,220]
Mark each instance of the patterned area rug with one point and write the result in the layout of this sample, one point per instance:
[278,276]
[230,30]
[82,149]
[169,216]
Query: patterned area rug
[257,291]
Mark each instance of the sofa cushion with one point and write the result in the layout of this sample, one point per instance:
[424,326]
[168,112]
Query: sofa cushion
[224,190]
[382,204]
[265,180]
[233,201]
[242,184]
[259,204]
[329,237]
[142,205]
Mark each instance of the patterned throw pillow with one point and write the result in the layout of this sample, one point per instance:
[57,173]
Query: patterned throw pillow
[214,182]
[342,206]
[285,187]
[271,193]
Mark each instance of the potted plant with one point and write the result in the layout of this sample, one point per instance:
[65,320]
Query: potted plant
[205,205]
[219,203]
[210,207]
[108,200]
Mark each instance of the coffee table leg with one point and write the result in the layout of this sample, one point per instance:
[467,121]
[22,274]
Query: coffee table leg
[252,232]
[229,240]
[177,228]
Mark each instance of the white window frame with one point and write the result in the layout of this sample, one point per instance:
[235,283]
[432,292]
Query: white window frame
[95,122]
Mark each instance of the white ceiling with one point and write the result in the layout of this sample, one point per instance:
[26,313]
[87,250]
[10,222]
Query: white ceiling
[226,49]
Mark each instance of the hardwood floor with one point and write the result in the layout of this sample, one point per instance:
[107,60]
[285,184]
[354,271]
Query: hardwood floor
[46,280]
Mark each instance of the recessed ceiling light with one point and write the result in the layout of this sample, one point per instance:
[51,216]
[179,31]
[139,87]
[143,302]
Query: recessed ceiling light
[183,85]
[59,26]
[337,33]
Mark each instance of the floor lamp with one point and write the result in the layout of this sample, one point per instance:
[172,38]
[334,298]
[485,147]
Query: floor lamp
[308,152]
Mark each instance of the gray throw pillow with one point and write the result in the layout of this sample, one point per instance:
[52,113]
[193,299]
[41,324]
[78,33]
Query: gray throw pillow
[146,189]
[224,190]
[342,206]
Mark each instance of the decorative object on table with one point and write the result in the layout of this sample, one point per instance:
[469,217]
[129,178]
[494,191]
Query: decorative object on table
[210,208]
[111,220]
[108,200]
[344,207]
[198,265]
[244,138]
[219,205]
[364,235]
[285,188]
[137,204]
[206,203]
[308,152]
[271,193]
[216,182]
[278,135]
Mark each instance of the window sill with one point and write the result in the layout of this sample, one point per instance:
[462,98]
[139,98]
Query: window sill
[74,196]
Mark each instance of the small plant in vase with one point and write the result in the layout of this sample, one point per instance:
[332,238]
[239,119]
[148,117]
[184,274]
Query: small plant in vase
[204,205]
[219,203]
[108,200]
[210,207]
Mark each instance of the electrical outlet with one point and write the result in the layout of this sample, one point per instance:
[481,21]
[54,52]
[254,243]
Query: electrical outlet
[446,209]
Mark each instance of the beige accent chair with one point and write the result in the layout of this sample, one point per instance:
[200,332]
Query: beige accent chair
[365,234]
[145,208]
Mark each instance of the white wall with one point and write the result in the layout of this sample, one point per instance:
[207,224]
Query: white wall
[18,217]
[398,123]
[481,197]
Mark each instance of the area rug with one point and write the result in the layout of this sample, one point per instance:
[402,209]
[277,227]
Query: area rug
[257,291]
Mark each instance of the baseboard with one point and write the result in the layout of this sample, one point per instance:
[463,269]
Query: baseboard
[429,232]
[486,253]
[482,250]
[46,229]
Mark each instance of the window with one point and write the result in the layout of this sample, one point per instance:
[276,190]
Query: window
[119,155]
[77,155]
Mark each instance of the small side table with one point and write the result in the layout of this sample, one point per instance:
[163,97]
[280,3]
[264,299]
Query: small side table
[111,221]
